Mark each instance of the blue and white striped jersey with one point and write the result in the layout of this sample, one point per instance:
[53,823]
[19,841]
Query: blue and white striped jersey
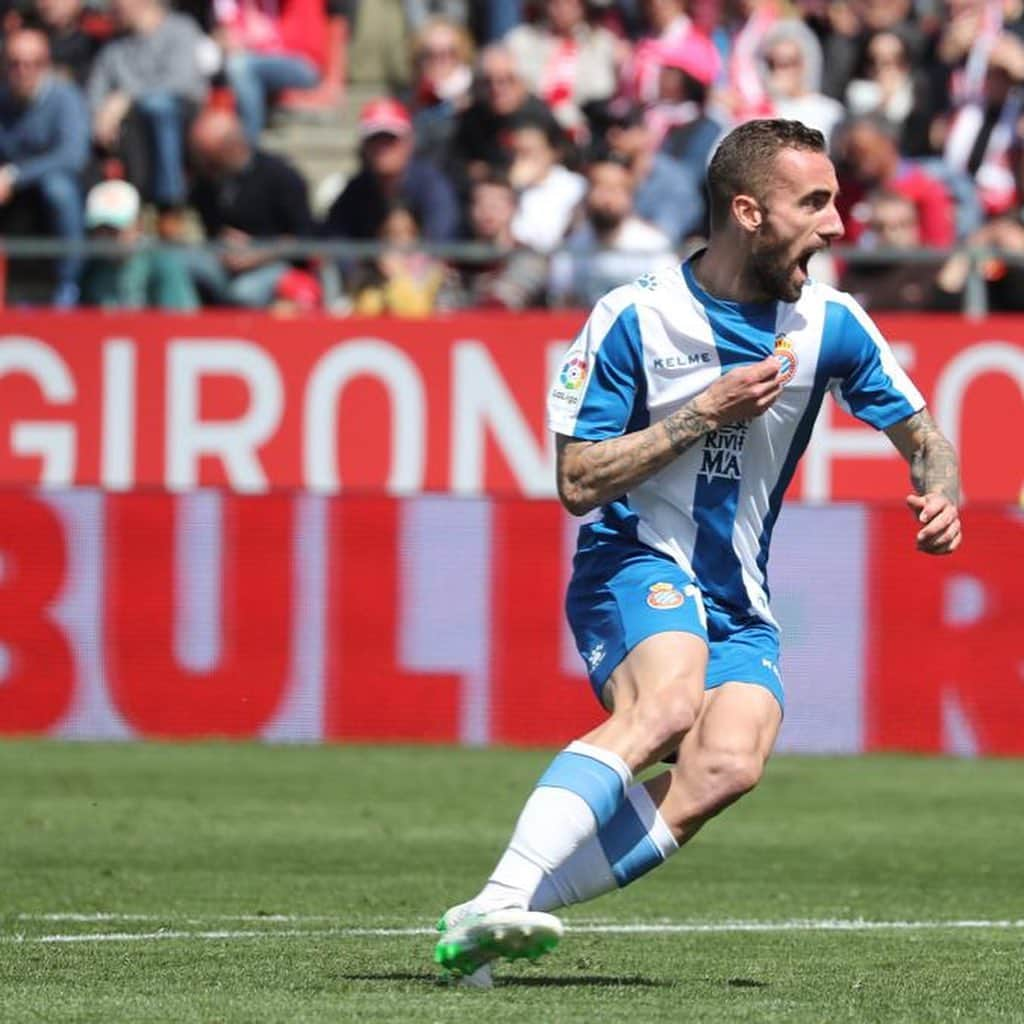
[650,346]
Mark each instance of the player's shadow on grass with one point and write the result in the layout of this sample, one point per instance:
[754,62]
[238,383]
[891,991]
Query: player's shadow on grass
[524,981]
[583,980]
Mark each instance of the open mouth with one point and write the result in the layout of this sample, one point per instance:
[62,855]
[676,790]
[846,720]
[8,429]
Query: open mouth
[803,261]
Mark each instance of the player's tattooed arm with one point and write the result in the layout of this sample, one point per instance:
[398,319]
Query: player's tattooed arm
[686,426]
[934,468]
[935,475]
[592,473]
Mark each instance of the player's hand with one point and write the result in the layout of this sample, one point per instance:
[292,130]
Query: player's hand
[741,394]
[940,532]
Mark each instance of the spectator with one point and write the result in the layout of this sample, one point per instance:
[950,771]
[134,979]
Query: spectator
[443,59]
[869,159]
[548,191]
[142,89]
[442,86]
[968,32]
[242,195]
[565,61]
[747,23]
[1004,281]
[390,174]
[516,279]
[886,85]
[269,46]
[668,193]
[379,50]
[668,25]
[139,279]
[44,144]
[984,132]
[73,43]
[886,282]
[481,144]
[612,245]
[679,121]
[790,62]
[402,280]
[847,28]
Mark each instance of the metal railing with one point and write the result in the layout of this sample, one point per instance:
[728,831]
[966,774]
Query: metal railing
[327,255]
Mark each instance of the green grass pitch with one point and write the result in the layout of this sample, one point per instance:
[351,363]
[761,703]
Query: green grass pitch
[229,883]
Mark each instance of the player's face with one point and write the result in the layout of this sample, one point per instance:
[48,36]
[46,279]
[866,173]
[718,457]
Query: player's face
[799,218]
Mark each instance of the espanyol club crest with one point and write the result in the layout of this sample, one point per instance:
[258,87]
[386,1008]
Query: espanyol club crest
[664,595]
[787,356]
[574,373]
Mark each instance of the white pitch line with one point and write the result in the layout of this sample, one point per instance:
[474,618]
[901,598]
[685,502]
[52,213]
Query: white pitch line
[112,916]
[787,926]
[345,933]
[723,927]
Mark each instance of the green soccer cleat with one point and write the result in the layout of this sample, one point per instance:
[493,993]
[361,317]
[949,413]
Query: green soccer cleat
[483,976]
[472,942]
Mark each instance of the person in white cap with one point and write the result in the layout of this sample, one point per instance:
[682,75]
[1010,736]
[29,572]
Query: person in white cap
[140,278]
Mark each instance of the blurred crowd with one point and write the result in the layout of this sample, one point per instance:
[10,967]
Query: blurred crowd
[557,147]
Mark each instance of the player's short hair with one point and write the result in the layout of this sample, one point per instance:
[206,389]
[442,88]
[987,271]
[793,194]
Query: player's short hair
[744,162]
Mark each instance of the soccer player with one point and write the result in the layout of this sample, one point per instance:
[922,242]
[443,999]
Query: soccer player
[681,411]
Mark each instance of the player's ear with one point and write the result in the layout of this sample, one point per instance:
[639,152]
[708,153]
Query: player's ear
[748,212]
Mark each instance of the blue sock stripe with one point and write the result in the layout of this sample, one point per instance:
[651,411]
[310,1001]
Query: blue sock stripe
[631,852]
[589,778]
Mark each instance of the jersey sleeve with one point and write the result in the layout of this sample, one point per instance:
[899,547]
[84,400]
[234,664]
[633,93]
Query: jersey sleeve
[867,381]
[601,380]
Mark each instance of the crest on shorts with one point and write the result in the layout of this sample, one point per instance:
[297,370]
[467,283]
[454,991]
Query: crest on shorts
[664,595]
[786,355]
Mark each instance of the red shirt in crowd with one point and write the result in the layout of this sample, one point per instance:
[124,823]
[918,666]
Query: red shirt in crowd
[933,201]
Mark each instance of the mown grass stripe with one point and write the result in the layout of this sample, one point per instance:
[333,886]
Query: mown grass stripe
[722,927]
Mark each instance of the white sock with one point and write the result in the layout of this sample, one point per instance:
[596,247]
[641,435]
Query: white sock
[636,840]
[579,793]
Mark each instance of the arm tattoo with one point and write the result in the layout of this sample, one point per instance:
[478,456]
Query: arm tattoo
[933,462]
[685,427]
[595,473]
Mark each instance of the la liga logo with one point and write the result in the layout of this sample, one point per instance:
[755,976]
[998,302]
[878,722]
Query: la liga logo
[574,373]
[785,353]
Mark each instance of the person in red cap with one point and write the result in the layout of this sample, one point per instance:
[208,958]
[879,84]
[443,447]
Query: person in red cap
[391,174]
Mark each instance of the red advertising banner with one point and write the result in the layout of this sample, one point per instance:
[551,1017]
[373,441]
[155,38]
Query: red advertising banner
[450,404]
[440,619]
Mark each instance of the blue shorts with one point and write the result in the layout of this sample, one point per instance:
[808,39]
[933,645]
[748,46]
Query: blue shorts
[623,592]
